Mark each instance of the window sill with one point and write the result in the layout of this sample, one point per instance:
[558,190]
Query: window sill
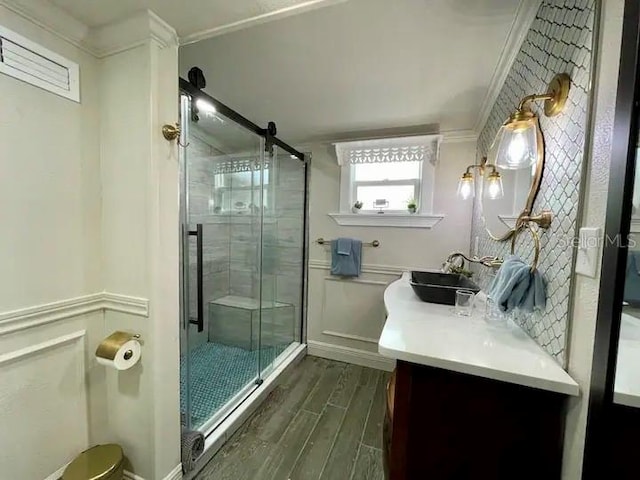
[401,220]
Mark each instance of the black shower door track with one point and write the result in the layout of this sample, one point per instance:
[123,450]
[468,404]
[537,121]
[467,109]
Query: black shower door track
[195,93]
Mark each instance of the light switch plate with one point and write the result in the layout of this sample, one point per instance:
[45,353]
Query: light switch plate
[589,243]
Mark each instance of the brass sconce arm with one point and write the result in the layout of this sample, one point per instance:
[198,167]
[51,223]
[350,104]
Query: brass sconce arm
[543,220]
[533,98]
[554,99]
[483,164]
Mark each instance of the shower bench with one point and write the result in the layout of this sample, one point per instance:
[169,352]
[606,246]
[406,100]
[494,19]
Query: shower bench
[236,321]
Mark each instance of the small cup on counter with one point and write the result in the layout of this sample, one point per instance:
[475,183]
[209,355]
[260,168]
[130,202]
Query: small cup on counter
[492,313]
[464,303]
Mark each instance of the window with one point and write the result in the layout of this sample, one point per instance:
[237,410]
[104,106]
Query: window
[386,176]
[239,186]
[386,187]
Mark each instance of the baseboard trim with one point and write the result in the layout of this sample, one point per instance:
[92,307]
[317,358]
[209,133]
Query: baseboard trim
[350,355]
[131,476]
[57,475]
[175,474]
[24,318]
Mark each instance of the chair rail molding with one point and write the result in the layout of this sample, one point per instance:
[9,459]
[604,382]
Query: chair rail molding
[366,268]
[24,318]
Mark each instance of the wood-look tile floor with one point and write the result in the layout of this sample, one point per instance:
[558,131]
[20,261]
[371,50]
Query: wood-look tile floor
[323,422]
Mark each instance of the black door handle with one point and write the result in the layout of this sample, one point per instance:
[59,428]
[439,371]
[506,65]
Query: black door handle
[199,321]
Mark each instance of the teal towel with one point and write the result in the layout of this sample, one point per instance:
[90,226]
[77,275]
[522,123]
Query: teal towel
[515,286]
[346,256]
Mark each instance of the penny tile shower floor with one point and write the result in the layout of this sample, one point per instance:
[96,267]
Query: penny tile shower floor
[217,373]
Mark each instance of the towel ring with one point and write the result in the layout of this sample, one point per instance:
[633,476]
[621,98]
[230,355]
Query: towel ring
[536,241]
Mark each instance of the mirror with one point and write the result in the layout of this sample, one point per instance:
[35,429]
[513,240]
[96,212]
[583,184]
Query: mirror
[520,188]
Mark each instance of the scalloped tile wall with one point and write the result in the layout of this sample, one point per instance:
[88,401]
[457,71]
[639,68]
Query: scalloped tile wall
[559,40]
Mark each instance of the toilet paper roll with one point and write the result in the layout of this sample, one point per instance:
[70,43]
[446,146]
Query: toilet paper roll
[120,350]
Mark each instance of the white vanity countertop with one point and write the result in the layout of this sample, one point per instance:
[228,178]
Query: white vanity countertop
[627,386]
[430,334]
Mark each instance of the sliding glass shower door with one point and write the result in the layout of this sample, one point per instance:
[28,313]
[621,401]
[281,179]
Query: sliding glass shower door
[222,197]
[283,242]
[243,221]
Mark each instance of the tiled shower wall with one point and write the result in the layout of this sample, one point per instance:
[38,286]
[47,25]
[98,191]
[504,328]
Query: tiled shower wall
[216,236]
[283,236]
[560,40]
[231,243]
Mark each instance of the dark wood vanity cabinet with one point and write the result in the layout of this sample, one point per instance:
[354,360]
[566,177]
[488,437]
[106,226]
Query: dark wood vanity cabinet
[623,426]
[443,425]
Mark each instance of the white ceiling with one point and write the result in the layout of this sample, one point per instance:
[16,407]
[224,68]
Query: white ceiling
[188,17]
[360,65]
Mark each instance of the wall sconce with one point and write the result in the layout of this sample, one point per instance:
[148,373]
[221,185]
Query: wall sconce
[519,144]
[466,187]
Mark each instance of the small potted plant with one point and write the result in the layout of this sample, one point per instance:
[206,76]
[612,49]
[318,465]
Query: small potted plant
[356,207]
[412,206]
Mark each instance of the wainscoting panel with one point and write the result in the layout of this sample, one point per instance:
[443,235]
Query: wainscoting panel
[346,316]
[362,300]
[54,400]
[43,385]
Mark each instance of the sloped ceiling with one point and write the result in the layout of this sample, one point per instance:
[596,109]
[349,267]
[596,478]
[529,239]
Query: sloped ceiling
[360,65]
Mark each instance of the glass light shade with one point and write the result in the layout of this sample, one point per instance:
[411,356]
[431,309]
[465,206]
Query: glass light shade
[494,190]
[515,145]
[466,188]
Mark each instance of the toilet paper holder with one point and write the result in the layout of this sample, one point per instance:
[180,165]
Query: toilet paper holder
[110,345]
[129,353]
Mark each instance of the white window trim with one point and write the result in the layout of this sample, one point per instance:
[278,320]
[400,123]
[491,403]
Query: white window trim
[424,218]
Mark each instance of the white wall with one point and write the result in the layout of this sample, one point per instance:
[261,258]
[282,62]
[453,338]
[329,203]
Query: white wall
[596,185]
[140,247]
[346,317]
[50,251]
[90,203]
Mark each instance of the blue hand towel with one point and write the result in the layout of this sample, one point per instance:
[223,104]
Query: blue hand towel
[632,280]
[515,286]
[536,298]
[343,246]
[346,257]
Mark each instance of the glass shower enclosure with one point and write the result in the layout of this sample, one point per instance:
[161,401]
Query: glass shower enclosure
[243,209]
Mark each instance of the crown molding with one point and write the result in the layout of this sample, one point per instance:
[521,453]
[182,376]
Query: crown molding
[257,20]
[100,42]
[459,136]
[525,15]
[50,18]
[131,32]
